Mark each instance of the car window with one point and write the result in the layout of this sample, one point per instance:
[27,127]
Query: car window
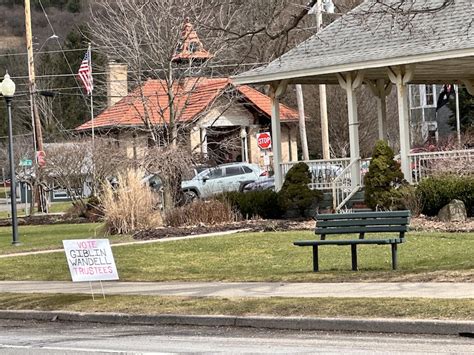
[215,173]
[247,170]
[233,170]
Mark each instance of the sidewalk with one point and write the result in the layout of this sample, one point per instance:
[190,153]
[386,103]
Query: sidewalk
[252,289]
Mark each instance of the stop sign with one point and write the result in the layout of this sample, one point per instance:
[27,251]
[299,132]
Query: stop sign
[264,140]
[41,158]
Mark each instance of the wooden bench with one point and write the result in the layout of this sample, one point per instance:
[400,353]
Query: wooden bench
[359,223]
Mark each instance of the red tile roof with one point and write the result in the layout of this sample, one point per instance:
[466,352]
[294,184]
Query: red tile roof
[192,97]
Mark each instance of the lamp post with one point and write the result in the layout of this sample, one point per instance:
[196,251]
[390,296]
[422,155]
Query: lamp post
[7,87]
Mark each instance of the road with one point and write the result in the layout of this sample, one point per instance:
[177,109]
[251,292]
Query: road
[31,337]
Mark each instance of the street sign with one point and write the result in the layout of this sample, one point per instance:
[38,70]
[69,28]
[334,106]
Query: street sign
[26,162]
[264,140]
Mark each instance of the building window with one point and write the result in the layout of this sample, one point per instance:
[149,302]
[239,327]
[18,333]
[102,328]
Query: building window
[422,96]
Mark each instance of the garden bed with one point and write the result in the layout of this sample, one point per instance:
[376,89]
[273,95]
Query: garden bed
[417,224]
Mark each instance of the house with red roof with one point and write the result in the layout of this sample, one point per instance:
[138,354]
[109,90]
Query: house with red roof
[216,118]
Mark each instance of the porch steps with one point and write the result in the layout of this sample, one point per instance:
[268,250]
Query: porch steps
[356,203]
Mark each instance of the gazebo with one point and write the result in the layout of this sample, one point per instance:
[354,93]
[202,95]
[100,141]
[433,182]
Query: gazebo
[378,44]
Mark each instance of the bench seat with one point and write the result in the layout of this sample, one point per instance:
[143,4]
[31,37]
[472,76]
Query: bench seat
[328,225]
[305,243]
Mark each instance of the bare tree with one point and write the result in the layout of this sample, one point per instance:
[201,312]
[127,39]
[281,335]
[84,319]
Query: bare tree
[76,166]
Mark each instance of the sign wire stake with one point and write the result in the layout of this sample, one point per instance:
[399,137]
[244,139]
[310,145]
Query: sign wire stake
[92,291]
[102,287]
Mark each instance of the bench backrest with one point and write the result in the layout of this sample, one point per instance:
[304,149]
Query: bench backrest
[363,222]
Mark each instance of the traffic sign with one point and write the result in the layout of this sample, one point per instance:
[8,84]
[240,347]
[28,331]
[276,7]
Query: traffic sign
[26,162]
[264,140]
[41,158]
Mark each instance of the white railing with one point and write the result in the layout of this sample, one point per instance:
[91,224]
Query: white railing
[342,189]
[323,172]
[459,162]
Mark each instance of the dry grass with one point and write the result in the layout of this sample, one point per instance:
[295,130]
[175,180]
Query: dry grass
[129,206]
[206,212]
[415,308]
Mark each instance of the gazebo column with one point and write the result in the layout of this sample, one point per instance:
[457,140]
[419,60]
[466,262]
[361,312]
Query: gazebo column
[381,89]
[277,90]
[350,82]
[401,76]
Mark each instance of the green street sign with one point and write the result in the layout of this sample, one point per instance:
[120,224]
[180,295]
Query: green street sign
[26,162]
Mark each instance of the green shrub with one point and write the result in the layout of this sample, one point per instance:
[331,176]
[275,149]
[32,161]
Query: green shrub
[436,192]
[295,193]
[383,180]
[264,204]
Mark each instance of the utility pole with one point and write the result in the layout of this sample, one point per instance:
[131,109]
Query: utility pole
[37,132]
[35,118]
[322,92]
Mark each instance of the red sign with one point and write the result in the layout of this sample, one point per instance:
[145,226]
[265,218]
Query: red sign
[264,140]
[41,158]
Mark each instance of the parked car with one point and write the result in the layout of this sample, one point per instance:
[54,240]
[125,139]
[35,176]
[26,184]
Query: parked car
[222,178]
[267,183]
[321,178]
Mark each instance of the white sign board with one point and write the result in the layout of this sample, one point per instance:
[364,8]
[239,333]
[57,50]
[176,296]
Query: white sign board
[90,260]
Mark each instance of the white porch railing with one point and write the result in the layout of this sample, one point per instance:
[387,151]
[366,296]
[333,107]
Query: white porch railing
[323,172]
[425,164]
[342,189]
[335,174]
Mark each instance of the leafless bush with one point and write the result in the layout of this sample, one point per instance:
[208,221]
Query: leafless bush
[411,199]
[130,205]
[207,212]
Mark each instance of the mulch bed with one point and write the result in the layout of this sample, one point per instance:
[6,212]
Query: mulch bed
[44,219]
[425,224]
[249,226]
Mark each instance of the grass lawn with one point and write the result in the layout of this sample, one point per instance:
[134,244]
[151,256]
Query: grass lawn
[267,257]
[418,308]
[44,237]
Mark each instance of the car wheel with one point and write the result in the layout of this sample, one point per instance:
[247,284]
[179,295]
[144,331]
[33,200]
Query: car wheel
[190,196]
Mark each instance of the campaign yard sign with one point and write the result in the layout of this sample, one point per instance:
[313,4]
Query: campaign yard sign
[90,260]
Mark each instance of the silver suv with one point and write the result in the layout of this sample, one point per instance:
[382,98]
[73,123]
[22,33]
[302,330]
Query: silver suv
[222,178]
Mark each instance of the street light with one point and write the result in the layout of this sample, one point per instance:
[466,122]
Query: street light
[7,87]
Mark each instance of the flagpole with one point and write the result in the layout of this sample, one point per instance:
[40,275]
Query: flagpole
[91,97]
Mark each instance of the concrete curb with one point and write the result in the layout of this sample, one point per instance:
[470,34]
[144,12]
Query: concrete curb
[404,326]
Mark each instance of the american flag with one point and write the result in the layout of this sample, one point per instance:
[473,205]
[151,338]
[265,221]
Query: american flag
[85,72]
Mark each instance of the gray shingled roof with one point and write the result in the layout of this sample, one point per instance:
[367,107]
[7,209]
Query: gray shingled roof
[369,37]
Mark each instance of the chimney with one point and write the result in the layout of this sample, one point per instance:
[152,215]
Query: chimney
[117,84]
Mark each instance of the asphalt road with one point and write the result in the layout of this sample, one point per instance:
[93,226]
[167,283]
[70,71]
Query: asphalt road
[30,337]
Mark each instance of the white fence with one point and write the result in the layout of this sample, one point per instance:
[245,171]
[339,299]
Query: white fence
[459,162]
[335,174]
[323,172]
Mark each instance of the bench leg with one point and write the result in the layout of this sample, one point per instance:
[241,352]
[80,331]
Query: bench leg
[315,258]
[354,256]
[394,256]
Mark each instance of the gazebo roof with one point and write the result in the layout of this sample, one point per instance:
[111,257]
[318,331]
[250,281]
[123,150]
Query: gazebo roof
[372,37]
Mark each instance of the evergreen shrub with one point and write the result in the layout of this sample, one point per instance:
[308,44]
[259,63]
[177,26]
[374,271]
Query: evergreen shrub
[295,195]
[383,180]
[436,192]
